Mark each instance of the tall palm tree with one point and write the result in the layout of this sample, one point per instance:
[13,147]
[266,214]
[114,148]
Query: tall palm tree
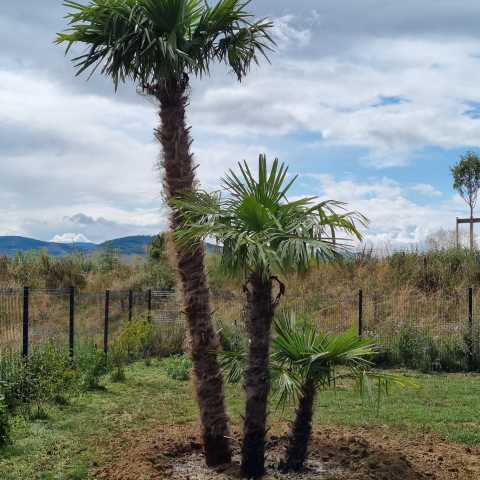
[159,44]
[263,235]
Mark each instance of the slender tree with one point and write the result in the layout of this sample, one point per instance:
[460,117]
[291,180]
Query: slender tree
[262,235]
[466,181]
[159,45]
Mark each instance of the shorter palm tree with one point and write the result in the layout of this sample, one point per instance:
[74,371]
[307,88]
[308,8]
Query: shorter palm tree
[263,234]
[306,362]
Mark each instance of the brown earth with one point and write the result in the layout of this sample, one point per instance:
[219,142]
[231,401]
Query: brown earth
[336,453]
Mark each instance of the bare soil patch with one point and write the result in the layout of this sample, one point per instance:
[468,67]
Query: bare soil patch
[336,453]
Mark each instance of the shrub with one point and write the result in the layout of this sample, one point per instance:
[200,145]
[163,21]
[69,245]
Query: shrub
[47,376]
[142,339]
[417,348]
[231,336]
[117,360]
[137,339]
[4,421]
[91,364]
[178,367]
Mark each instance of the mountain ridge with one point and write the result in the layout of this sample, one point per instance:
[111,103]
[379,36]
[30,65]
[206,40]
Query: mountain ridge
[130,245]
[134,245]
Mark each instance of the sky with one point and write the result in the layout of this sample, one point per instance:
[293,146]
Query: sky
[369,101]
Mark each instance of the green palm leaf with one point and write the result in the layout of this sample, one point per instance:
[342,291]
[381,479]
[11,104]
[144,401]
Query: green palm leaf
[260,229]
[150,41]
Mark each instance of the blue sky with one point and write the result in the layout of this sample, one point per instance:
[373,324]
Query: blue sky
[370,102]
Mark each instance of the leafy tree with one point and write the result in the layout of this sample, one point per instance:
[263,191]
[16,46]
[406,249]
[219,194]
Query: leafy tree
[466,181]
[263,234]
[159,44]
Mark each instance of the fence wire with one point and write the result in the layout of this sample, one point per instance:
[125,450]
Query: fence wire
[436,330]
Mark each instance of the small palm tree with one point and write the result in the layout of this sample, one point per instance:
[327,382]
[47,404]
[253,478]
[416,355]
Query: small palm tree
[159,44]
[305,362]
[263,235]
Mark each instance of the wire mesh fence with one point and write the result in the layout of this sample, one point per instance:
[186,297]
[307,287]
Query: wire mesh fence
[30,318]
[436,330]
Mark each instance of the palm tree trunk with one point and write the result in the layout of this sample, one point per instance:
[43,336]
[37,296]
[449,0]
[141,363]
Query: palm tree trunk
[257,378]
[301,430]
[174,137]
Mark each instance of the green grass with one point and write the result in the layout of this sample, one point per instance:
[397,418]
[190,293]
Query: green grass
[77,436]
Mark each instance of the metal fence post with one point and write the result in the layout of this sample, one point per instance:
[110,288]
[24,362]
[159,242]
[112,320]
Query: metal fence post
[71,324]
[26,296]
[106,322]
[149,305]
[130,305]
[470,353]
[360,313]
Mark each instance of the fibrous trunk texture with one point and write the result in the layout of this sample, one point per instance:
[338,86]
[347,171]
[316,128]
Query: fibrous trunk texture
[257,378]
[301,429]
[174,137]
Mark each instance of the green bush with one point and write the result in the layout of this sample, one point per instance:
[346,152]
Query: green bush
[117,360]
[4,421]
[46,376]
[91,364]
[178,367]
[417,348]
[231,336]
[143,339]
[49,375]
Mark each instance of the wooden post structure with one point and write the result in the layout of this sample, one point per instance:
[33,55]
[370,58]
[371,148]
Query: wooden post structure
[470,221]
[457,241]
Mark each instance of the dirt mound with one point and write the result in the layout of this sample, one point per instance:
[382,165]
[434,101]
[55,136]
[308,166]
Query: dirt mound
[335,453]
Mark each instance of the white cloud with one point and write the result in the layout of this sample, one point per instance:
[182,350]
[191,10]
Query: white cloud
[287,35]
[426,189]
[71,238]
[395,220]
[338,97]
[78,153]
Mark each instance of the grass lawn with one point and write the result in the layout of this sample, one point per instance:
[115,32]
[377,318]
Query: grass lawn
[76,436]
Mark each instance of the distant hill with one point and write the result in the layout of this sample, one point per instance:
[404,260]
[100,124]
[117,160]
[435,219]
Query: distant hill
[134,245]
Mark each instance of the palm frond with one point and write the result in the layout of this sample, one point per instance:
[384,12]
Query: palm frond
[232,363]
[150,41]
[260,229]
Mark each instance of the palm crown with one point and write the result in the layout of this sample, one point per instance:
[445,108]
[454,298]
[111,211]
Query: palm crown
[259,228]
[150,41]
[301,355]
